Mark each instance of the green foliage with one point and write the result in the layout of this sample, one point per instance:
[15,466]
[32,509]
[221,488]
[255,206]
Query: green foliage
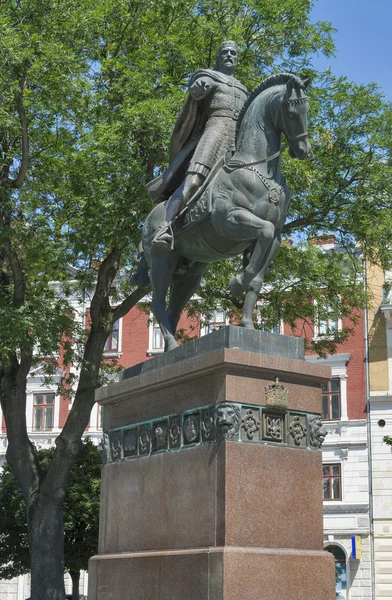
[102,83]
[81,514]
[346,185]
[14,548]
[387,440]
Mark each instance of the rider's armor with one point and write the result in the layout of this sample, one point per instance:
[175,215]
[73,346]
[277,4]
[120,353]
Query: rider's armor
[221,105]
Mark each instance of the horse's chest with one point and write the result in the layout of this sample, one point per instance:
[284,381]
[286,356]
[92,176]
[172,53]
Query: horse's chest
[273,212]
[270,202]
[265,197]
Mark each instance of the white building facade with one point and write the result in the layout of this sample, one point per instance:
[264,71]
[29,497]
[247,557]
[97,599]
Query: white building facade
[345,483]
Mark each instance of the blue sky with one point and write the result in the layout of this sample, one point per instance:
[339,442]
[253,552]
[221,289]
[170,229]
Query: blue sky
[363,40]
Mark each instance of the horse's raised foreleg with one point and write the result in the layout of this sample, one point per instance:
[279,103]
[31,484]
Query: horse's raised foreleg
[162,269]
[259,260]
[182,289]
[241,224]
[255,286]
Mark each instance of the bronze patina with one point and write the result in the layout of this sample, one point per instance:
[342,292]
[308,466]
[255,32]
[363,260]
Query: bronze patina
[240,201]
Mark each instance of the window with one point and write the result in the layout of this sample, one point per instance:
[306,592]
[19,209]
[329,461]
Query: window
[158,343]
[327,323]
[330,397]
[332,482]
[112,343]
[340,571]
[270,325]
[43,412]
[268,317]
[217,321]
[99,416]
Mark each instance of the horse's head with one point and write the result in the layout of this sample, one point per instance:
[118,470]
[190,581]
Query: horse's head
[292,118]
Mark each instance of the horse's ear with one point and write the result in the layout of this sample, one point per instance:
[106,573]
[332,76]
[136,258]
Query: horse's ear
[307,82]
[289,88]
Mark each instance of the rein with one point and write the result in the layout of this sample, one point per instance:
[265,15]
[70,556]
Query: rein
[234,163]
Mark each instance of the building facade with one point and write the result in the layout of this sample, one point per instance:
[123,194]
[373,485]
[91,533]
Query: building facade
[380,425]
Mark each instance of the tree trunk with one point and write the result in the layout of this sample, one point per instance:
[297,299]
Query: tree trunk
[44,494]
[75,576]
[46,546]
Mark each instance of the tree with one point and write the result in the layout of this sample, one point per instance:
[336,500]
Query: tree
[81,516]
[89,93]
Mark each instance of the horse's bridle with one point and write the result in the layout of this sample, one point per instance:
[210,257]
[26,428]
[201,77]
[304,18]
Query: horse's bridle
[280,112]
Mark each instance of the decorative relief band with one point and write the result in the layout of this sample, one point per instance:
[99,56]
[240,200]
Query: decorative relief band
[225,421]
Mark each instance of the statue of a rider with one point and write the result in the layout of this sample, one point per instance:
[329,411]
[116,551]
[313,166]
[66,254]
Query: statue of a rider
[203,133]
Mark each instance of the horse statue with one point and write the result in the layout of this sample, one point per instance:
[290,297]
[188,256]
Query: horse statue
[243,203]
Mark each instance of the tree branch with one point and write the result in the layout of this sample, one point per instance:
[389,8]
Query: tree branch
[304,221]
[100,304]
[20,452]
[316,216]
[68,442]
[18,182]
[129,303]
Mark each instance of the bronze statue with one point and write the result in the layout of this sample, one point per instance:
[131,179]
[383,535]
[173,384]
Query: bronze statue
[205,131]
[243,201]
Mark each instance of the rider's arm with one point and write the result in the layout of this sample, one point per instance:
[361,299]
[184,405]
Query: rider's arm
[201,87]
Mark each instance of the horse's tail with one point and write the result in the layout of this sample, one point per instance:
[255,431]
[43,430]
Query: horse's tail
[141,277]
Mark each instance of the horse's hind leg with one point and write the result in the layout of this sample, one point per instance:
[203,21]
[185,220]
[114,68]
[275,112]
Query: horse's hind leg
[182,290]
[162,269]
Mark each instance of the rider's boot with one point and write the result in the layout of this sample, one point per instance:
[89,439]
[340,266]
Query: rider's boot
[164,236]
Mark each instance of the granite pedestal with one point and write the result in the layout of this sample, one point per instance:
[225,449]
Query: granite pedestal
[212,489]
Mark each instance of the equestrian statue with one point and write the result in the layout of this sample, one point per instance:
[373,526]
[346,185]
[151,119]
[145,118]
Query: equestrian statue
[223,190]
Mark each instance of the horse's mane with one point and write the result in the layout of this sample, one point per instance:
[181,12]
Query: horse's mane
[278,79]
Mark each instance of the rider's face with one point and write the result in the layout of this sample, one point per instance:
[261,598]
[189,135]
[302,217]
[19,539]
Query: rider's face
[228,58]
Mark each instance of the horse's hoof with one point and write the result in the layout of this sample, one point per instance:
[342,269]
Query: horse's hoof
[235,285]
[141,279]
[171,346]
[180,270]
[247,324]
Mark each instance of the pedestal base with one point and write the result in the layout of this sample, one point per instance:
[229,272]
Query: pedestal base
[213,487]
[214,574]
